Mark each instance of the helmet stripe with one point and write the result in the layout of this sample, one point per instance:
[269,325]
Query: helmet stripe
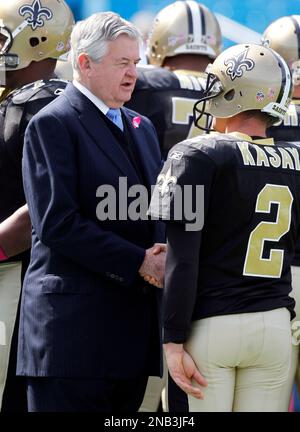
[285,80]
[197,21]
[203,23]
[297,30]
[190,18]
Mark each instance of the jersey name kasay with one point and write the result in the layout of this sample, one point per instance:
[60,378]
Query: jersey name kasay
[270,156]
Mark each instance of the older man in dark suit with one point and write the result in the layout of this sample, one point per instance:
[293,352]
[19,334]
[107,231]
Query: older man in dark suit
[89,331]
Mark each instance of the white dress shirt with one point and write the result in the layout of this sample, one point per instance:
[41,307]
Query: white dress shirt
[96,101]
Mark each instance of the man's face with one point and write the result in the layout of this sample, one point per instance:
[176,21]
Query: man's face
[113,79]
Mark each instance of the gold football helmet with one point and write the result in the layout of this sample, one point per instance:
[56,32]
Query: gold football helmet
[33,30]
[246,77]
[183,27]
[283,36]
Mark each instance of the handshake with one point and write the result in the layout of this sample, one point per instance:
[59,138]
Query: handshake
[153,267]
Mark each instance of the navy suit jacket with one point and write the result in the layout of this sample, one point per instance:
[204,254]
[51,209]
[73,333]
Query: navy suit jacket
[85,312]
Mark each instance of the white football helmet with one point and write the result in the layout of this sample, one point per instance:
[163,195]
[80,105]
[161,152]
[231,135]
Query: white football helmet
[33,30]
[246,77]
[283,36]
[183,27]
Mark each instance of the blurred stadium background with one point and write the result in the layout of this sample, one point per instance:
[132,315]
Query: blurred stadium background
[240,20]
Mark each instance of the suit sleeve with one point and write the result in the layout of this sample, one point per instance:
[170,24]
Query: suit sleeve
[50,184]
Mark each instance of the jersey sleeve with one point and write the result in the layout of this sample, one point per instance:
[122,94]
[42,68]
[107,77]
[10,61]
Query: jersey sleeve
[182,190]
[182,267]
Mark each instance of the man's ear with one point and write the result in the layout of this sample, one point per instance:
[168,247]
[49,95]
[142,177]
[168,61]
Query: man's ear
[84,63]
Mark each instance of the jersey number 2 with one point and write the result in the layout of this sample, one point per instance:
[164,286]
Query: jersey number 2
[255,264]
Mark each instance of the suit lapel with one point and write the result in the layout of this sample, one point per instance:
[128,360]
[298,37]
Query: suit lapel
[141,146]
[96,127]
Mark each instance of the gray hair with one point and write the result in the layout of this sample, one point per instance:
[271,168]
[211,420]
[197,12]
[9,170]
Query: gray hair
[91,36]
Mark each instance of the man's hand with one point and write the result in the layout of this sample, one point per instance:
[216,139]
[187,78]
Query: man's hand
[153,267]
[158,248]
[183,370]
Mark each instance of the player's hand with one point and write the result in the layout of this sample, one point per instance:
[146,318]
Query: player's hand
[153,267]
[183,370]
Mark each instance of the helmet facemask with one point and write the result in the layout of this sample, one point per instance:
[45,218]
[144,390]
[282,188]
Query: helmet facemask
[213,89]
[7,61]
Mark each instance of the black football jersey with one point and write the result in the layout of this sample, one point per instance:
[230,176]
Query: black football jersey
[244,194]
[167,99]
[289,130]
[16,110]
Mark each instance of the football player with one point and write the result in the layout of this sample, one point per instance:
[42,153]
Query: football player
[283,35]
[185,38]
[231,205]
[33,35]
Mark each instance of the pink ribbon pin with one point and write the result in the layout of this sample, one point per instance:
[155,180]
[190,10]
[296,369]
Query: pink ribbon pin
[136,122]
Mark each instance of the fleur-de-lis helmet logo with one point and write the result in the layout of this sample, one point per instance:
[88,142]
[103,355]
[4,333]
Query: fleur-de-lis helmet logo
[238,64]
[35,14]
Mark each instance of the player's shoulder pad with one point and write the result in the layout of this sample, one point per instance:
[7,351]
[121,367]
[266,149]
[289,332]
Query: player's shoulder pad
[199,142]
[199,145]
[38,89]
[156,78]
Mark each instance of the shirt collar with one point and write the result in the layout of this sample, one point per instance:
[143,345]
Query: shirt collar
[263,141]
[96,101]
